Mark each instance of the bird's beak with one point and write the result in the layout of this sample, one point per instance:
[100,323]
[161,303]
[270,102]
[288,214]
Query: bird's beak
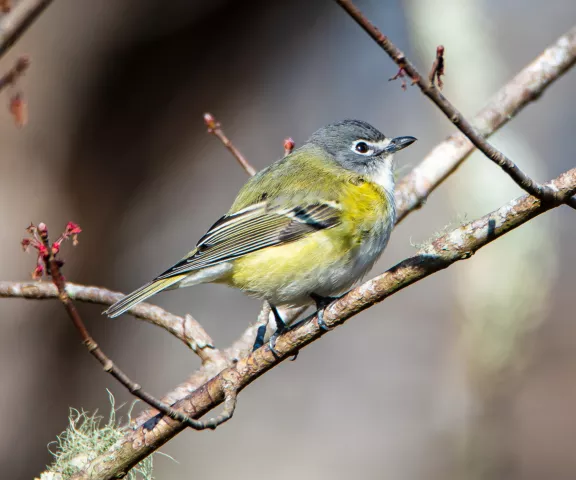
[399,143]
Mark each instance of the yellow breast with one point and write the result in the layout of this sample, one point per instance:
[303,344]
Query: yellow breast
[365,205]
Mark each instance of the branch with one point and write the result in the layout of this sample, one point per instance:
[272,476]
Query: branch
[411,192]
[425,178]
[528,85]
[215,129]
[186,328]
[460,244]
[14,24]
[14,73]
[47,256]
[430,90]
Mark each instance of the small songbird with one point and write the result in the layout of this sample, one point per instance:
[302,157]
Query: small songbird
[301,231]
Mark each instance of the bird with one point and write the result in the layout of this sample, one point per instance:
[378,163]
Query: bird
[303,230]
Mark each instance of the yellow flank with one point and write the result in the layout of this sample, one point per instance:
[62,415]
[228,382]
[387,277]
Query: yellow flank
[364,206]
[268,269]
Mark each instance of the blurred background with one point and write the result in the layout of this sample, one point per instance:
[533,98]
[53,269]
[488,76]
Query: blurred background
[468,374]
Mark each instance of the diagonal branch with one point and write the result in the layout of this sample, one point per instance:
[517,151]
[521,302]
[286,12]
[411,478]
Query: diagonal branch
[430,90]
[14,24]
[528,85]
[460,244]
[47,254]
[411,192]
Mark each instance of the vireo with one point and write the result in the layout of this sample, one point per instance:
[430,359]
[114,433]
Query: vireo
[302,230]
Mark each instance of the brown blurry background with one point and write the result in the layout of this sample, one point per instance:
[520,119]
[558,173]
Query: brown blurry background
[468,374]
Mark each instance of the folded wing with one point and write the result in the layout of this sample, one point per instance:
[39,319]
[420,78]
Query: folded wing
[254,228]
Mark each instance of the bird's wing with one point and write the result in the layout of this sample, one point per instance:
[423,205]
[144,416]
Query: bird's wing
[254,228]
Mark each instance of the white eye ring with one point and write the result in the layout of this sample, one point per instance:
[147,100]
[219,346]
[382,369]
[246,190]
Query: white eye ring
[362,147]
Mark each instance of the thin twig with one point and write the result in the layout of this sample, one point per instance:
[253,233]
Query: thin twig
[186,328]
[14,73]
[183,328]
[430,90]
[15,23]
[215,129]
[437,69]
[52,265]
[411,192]
[460,244]
[400,75]
[528,85]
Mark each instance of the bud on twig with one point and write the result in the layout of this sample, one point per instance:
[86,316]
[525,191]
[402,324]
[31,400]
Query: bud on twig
[288,146]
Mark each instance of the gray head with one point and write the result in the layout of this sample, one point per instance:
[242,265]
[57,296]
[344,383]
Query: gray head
[358,146]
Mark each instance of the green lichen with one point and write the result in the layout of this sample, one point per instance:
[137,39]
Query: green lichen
[85,439]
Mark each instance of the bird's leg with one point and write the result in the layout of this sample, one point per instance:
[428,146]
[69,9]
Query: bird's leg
[321,304]
[261,332]
[280,329]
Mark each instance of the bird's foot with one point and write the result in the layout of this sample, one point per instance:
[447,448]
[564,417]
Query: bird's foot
[321,304]
[272,341]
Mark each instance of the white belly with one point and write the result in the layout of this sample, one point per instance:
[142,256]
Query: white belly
[336,278]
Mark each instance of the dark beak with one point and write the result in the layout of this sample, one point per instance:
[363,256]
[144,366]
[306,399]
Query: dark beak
[399,143]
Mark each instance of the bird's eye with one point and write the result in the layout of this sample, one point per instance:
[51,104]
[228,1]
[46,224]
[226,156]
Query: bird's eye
[362,147]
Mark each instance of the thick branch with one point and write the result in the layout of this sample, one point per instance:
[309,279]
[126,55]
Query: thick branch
[510,100]
[527,86]
[430,90]
[14,24]
[459,244]
[411,192]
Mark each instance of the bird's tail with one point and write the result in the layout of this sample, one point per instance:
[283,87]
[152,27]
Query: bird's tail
[141,294]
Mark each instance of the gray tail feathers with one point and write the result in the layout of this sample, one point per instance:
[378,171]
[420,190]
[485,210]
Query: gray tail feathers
[140,295]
